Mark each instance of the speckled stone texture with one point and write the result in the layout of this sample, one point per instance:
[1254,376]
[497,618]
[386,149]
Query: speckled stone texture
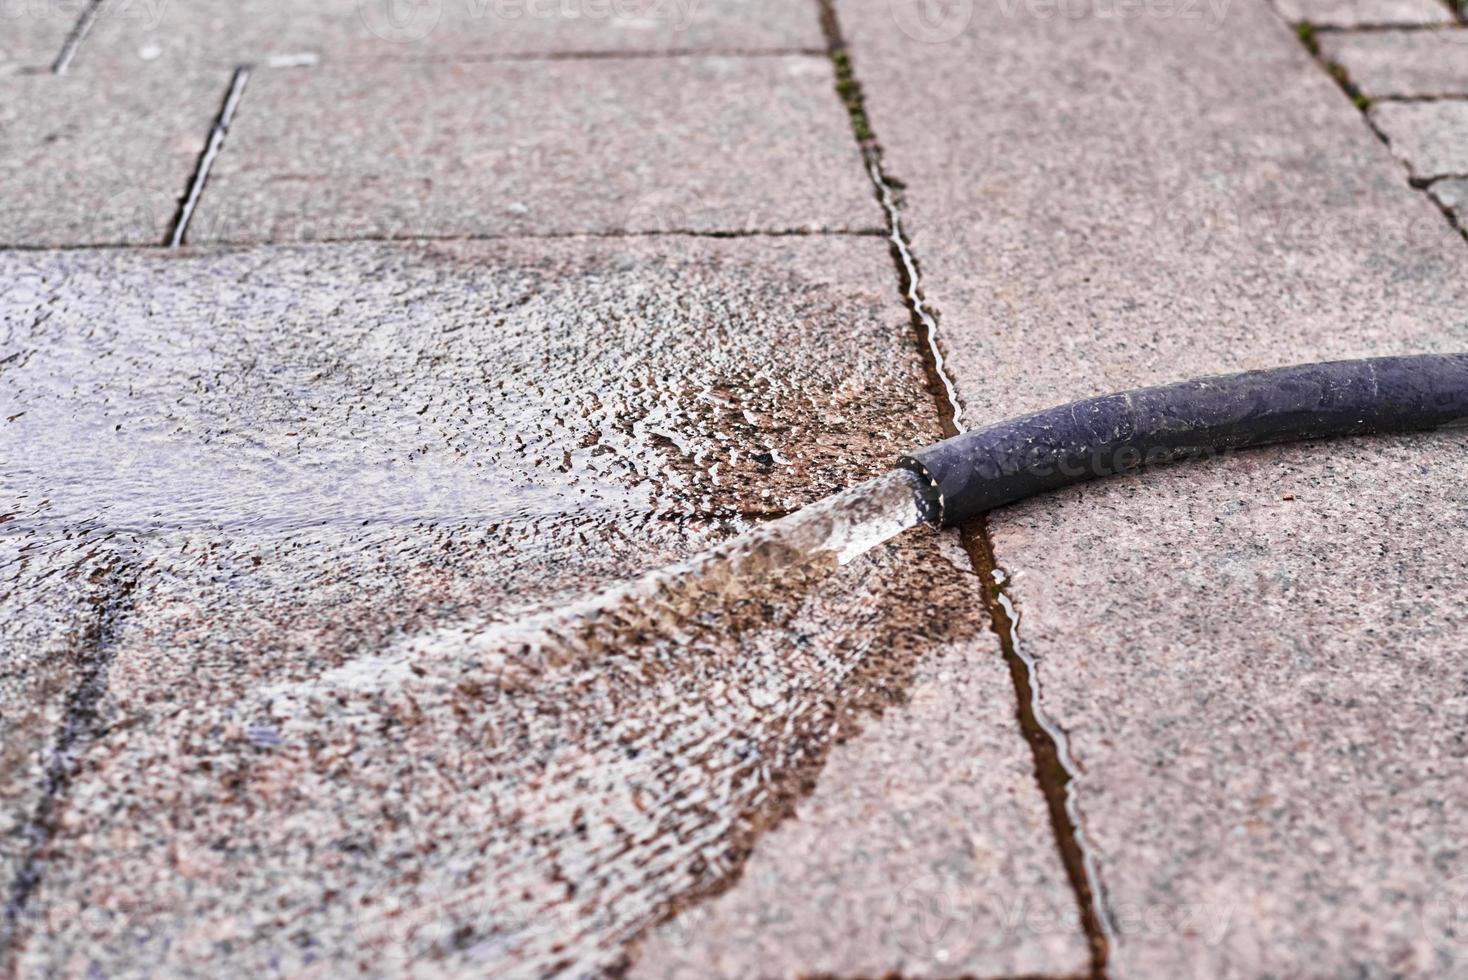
[1364,13]
[1262,695]
[32,34]
[55,593]
[903,861]
[1453,195]
[377,30]
[1402,63]
[316,462]
[98,158]
[1431,138]
[665,144]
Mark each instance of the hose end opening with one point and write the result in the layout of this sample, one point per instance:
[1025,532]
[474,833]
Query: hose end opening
[929,496]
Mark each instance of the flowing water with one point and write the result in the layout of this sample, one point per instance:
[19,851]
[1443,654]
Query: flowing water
[614,758]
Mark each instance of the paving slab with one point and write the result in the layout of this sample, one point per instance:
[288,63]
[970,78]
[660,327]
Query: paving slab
[33,33]
[327,458]
[1431,138]
[1364,13]
[1453,195]
[1261,694]
[648,145]
[895,866]
[100,158]
[53,595]
[259,31]
[1402,63]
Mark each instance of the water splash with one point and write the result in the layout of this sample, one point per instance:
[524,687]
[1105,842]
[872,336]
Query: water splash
[614,757]
[827,534]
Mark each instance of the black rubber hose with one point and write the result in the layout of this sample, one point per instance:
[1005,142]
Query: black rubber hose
[979,470]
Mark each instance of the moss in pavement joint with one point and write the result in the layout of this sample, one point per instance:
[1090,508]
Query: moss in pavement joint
[850,91]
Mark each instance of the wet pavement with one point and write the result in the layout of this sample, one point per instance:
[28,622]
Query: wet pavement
[334,636]
[291,462]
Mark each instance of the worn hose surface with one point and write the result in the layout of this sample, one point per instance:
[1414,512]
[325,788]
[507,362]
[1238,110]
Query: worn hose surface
[985,468]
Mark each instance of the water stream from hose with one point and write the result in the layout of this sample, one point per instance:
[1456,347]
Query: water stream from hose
[617,756]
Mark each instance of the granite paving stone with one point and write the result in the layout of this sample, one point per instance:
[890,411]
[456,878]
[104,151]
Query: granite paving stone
[706,144]
[260,31]
[33,33]
[895,866]
[100,158]
[1431,138]
[1453,195]
[1402,63]
[337,469]
[54,596]
[1364,13]
[1257,661]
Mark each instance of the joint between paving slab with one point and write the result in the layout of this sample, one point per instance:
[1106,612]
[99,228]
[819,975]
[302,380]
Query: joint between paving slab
[1439,97]
[1423,183]
[1307,35]
[79,32]
[228,244]
[1047,743]
[80,724]
[1381,28]
[924,319]
[315,59]
[1054,768]
[600,55]
[1448,213]
[556,235]
[212,147]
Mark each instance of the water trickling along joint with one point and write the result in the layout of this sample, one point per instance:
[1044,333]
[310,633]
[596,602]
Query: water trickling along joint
[984,468]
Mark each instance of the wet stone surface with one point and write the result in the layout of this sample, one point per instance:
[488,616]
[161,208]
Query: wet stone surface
[1431,138]
[53,614]
[1402,63]
[1364,13]
[1258,661]
[493,382]
[96,158]
[649,145]
[261,31]
[321,734]
[452,801]
[904,860]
